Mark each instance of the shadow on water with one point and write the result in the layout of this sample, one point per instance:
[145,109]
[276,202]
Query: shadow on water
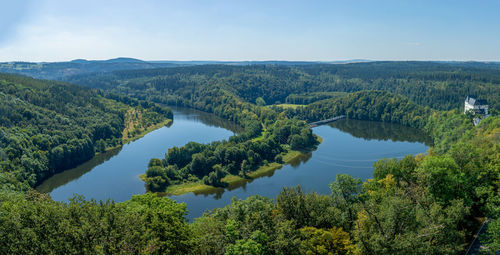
[208,119]
[70,175]
[349,146]
[242,183]
[181,115]
[366,130]
[382,131]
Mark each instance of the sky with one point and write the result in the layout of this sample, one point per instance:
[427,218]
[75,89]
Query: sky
[232,30]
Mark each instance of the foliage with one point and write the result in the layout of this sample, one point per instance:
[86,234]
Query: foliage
[319,241]
[60,70]
[442,86]
[491,239]
[422,204]
[415,205]
[47,127]
[238,156]
[34,224]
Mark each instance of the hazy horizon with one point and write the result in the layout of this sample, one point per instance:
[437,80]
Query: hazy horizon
[340,61]
[223,30]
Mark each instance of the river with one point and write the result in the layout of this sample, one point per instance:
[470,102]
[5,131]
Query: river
[349,146]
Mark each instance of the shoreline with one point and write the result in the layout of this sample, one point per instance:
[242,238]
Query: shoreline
[138,136]
[108,149]
[233,181]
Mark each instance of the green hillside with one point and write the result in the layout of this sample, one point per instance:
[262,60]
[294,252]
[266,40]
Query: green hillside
[441,86]
[49,126]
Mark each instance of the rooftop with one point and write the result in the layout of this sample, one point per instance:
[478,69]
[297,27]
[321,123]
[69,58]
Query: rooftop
[473,101]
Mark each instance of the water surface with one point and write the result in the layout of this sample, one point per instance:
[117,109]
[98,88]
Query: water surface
[115,174]
[349,146]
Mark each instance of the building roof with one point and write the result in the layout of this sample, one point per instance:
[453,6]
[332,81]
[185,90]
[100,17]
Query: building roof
[473,101]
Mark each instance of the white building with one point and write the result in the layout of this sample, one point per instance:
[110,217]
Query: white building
[476,106]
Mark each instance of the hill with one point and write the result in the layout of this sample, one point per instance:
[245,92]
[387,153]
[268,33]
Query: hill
[59,70]
[47,126]
[442,86]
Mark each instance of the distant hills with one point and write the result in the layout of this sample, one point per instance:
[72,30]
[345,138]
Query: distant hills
[265,62]
[113,60]
[62,70]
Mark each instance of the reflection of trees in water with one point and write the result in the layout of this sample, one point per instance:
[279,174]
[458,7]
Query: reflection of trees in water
[302,158]
[368,130]
[208,119]
[241,184]
[70,175]
[217,192]
[67,176]
[372,130]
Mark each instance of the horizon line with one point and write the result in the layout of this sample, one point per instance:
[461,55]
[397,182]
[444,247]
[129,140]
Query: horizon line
[268,60]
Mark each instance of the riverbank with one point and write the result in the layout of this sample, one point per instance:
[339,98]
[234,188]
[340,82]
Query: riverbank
[139,135]
[147,130]
[233,181]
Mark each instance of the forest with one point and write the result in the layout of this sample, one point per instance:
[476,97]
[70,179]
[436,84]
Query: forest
[267,136]
[59,70]
[47,127]
[442,86]
[426,204]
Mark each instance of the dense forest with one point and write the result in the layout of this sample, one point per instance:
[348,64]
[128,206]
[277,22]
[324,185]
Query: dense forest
[442,86]
[59,70]
[419,88]
[425,204]
[266,137]
[47,127]
[416,205]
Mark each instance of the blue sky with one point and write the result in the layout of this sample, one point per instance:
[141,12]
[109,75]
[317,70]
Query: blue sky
[58,30]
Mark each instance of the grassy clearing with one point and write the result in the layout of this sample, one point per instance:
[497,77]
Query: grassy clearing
[229,179]
[136,126]
[132,122]
[183,188]
[179,189]
[293,106]
[265,170]
[291,155]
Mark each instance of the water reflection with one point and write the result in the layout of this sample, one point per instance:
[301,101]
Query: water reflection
[369,130]
[67,176]
[115,174]
[208,119]
[349,146]
[343,151]
[366,130]
[216,192]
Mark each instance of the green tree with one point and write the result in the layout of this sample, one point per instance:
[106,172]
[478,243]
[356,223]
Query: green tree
[166,229]
[491,239]
[345,194]
[255,245]
[396,221]
[260,101]
[319,241]
[443,179]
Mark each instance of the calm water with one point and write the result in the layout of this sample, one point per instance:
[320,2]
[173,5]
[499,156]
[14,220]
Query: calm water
[349,146]
[115,174]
